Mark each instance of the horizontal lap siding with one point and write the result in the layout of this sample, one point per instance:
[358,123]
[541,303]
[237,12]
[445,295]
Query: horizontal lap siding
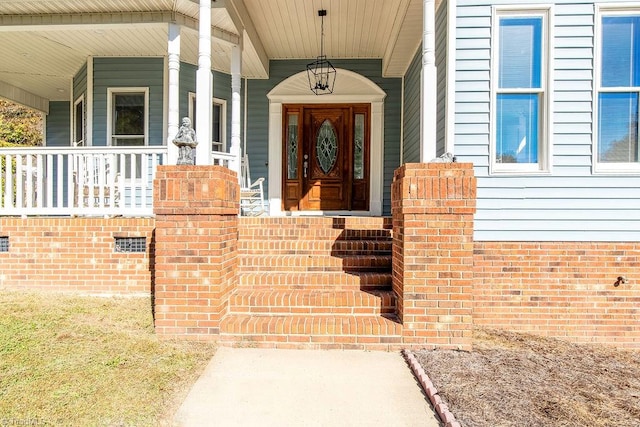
[128,72]
[411,143]
[572,204]
[57,124]
[279,70]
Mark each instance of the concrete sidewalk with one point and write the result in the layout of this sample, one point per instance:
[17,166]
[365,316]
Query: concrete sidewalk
[268,387]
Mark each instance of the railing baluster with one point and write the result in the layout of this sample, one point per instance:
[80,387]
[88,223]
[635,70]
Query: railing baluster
[80,181]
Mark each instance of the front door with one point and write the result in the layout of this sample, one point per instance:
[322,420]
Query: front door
[326,157]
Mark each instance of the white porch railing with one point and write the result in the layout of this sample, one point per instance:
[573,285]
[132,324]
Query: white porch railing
[87,181]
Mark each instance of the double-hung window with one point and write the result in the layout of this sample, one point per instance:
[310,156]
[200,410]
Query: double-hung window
[618,92]
[520,141]
[128,124]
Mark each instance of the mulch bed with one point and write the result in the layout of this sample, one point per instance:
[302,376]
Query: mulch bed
[515,379]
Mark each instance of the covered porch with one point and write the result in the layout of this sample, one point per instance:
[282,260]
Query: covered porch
[185,54]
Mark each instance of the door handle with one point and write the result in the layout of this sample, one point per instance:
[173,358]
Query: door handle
[305,165]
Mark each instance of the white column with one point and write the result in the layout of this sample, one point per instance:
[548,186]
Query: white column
[236,83]
[429,83]
[204,86]
[173,118]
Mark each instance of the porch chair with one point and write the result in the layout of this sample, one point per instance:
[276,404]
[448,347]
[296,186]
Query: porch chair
[251,193]
[96,183]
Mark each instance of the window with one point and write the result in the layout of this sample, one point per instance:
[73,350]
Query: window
[519,101]
[618,90]
[128,121]
[79,128]
[218,121]
[128,125]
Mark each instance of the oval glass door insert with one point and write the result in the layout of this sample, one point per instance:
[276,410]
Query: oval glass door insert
[327,146]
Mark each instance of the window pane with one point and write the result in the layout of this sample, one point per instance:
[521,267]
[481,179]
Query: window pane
[79,124]
[327,146]
[620,51]
[128,117]
[517,128]
[216,135]
[292,146]
[618,127]
[358,149]
[520,55]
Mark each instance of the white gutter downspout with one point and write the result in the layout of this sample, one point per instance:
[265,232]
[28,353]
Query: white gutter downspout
[204,86]
[429,82]
[173,118]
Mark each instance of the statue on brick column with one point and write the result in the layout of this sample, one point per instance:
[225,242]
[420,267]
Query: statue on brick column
[186,141]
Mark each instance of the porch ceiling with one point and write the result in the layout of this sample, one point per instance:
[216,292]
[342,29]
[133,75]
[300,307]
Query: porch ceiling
[44,43]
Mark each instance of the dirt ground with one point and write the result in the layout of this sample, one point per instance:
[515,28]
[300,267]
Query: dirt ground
[512,379]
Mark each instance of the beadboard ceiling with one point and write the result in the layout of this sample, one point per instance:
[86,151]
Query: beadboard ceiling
[43,43]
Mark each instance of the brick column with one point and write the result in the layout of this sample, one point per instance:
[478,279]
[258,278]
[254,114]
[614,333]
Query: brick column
[433,206]
[196,239]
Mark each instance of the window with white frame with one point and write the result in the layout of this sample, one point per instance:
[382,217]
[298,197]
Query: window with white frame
[618,92]
[218,121]
[79,128]
[127,124]
[520,140]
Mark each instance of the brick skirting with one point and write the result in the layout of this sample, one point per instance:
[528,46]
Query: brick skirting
[568,290]
[328,282]
[76,255]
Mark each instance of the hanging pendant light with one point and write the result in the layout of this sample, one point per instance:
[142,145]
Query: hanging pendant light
[322,75]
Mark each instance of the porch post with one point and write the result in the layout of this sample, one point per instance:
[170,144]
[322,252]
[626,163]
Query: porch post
[236,76]
[429,83]
[204,86]
[173,119]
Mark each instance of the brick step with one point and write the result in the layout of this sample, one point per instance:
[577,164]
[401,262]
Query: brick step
[312,263]
[341,331]
[316,280]
[279,302]
[315,247]
[316,223]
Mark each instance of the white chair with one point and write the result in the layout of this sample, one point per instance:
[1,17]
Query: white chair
[251,193]
[98,184]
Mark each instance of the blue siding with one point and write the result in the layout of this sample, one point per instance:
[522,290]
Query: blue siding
[128,72]
[258,111]
[58,131]
[411,143]
[80,83]
[221,90]
[571,203]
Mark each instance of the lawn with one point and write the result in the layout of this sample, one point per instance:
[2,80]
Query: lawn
[521,380]
[91,361]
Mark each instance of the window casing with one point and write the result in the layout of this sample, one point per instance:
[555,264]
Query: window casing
[128,124]
[128,116]
[617,87]
[79,126]
[520,101]
[218,121]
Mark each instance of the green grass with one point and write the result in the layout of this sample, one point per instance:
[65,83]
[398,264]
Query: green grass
[90,361]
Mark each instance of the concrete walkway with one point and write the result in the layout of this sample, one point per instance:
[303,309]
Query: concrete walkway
[268,387]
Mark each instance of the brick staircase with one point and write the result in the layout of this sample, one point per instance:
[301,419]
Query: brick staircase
[313,282]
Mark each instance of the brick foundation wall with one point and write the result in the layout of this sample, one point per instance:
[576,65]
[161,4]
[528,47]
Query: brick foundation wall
[567,290]
[196,242]
[75,255]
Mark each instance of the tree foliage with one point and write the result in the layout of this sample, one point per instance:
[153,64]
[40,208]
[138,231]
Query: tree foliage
[19,125]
